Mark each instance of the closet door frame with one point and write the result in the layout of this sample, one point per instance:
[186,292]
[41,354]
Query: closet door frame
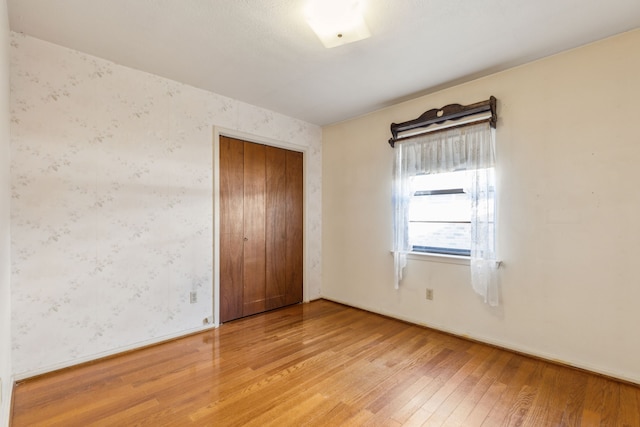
[217,131]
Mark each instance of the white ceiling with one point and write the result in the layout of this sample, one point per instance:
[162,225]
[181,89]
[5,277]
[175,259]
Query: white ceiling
[262,52]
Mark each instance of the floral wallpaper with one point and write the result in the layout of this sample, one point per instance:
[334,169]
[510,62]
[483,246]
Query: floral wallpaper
[5,248]
[112,202]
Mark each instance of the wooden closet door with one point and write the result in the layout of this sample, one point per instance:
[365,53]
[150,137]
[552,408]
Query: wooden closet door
[254,294]
[276,215]
[261,234]
[294,227]
[231,227]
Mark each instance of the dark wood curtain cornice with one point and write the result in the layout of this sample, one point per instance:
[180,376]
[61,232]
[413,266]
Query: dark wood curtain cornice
[441,115]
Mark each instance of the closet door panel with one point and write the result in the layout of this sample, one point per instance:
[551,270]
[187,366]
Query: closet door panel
[231,231]
[294,228]
[254,229]
[231,277]
[276,221]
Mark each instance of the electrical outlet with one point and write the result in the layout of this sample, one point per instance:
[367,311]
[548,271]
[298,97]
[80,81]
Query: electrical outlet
[193,297]
[429,294]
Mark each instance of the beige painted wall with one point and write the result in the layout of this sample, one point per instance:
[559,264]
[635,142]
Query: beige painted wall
[5,198]
[569,235]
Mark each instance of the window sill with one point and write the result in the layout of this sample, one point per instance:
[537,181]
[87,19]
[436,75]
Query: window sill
[443,258]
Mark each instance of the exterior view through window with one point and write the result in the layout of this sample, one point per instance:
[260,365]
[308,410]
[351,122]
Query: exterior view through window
[440,212]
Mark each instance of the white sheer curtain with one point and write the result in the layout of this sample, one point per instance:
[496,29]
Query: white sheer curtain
[468,148]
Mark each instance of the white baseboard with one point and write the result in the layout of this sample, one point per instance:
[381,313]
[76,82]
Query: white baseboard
[497,343]
[5,407]
[67,364]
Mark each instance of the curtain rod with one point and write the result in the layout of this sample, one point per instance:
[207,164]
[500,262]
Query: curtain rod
[474,121]
[441,115]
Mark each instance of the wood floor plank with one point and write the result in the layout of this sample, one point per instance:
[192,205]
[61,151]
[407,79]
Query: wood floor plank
[323,364]
[538,399]
[611,404]
[486,404]
[295,412]
[357,419]
[568,389]
[520,408]
[629,406]
[430,387]
[462,411]
[458,392]
[389,403]
[594,398]
[519,376]
[576,398]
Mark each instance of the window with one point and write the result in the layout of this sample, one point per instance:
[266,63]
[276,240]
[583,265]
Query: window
[443,201]
[440,212]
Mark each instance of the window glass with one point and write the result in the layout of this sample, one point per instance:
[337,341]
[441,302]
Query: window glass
[440,213]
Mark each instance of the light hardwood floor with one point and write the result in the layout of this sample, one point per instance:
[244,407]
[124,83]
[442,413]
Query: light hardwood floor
[323,364]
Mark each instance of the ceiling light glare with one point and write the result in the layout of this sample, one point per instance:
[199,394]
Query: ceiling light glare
[337,22]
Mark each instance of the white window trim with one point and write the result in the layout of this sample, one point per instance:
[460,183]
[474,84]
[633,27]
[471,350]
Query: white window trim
[441,258]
